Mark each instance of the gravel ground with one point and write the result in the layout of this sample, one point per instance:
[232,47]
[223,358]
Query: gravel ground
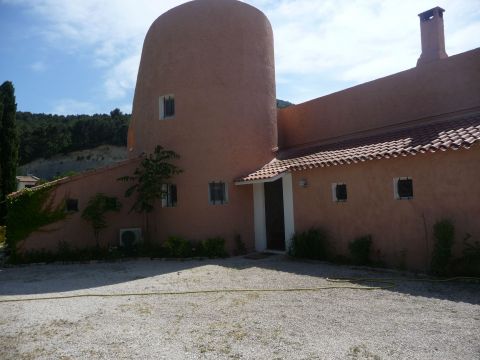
[412,321]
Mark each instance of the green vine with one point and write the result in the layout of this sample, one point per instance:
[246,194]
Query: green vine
[30,210]
[96,210]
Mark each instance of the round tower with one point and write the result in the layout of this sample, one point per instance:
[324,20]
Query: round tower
[214,59]
[206,89]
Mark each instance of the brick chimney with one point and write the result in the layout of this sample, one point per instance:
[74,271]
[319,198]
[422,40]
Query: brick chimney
[433,37]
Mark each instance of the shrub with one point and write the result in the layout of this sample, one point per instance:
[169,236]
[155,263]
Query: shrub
[214,247]
[240,248]
[360,249]
[2,235]
[95,212]
[310,244]
[470,260]
[444,233]
[178,247]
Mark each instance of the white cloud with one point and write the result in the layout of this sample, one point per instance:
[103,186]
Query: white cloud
[347,41]
[38,66]
[72,106]
[122,77]
[357,41]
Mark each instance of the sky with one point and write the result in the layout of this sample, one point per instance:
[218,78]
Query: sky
[82,56]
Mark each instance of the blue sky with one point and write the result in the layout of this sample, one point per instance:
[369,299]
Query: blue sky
[82,56]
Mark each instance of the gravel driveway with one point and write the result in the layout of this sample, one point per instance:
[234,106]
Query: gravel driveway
[412,321]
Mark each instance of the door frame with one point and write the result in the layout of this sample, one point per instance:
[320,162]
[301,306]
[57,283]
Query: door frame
[259,211]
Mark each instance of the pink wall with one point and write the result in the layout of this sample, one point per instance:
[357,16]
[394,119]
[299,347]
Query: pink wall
[217,58]
[74,230]
[438,87]
[445,186]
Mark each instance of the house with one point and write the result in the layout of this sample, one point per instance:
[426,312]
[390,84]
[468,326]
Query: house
[388,158]
[25,182]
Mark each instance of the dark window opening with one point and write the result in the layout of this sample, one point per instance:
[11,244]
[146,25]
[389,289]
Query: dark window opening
[29,186]
[341,192]
[218,193]
[405,188]
[170,195]
[168,106]
[71,205]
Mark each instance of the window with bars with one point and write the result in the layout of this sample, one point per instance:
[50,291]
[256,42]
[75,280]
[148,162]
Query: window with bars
[71,205]
[169,198]
[403,188]
[339,192]
[218,193]
[167,107]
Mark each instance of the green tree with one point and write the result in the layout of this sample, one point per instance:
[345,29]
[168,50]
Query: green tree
[148,178]
[95,212]
[8,145]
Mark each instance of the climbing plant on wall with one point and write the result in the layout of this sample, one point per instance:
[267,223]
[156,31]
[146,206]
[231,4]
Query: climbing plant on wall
[28,211]
[148,179]
[96,210]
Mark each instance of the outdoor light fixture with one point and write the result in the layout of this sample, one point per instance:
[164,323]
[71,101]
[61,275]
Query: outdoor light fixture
[303,183]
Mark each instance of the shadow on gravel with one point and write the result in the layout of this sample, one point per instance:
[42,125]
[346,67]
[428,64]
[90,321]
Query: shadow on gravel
[52,278]
[458,291]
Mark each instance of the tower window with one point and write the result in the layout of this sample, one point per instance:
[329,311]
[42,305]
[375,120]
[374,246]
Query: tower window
[403,188]
[217,193]
[169,198]
[339,192]
[167,107]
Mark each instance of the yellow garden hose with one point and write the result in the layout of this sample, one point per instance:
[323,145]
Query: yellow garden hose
[385,283]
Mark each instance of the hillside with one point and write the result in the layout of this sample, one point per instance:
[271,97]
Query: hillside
[76,161]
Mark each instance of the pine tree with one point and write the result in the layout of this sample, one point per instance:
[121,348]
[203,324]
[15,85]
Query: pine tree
[8,145]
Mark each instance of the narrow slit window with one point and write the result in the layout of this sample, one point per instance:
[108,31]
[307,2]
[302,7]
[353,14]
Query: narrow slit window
[169,197]
[167,107]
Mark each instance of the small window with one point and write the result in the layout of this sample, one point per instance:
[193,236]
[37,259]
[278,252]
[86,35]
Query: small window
[339,192]
[403,188]
[169,198]
[167,107]
[71,205]
[218,193]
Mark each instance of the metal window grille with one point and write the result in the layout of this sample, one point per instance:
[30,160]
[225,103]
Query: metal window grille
[341,192]
[169,195]
[168,106]
[218,193]
[71,205]
[405,188]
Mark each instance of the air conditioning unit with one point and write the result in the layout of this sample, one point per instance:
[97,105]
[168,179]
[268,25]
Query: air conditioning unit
[130,237]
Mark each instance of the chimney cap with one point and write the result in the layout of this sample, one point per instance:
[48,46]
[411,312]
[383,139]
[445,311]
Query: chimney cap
[430,14]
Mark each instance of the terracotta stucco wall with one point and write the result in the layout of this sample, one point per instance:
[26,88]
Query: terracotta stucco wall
[445,186]
[216,58]
[435,88]
[74,230]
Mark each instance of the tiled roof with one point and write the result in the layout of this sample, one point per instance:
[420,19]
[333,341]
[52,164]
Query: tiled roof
[461,132]
[27,178]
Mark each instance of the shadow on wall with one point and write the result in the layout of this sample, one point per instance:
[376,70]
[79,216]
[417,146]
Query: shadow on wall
[42,279]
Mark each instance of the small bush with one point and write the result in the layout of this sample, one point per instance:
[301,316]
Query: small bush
[178,247]
[214,247]
[310,244]
[240,248]
[2,236]
[360,249]
[444,234]
[469,263]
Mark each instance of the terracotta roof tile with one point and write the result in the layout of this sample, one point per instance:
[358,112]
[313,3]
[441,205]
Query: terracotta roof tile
[461,132]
